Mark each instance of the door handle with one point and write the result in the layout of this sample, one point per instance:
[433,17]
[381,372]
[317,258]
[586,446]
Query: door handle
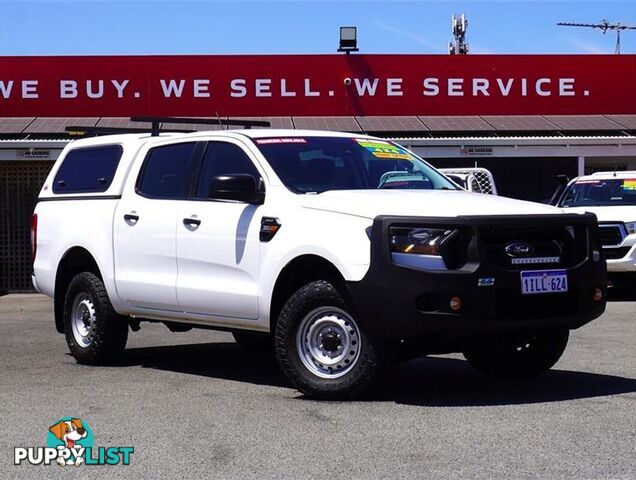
[191,223]
[131,218]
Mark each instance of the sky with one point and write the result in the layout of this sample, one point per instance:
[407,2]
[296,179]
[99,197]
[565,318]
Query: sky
[98,27]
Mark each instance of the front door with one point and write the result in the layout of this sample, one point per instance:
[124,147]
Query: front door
[218,243]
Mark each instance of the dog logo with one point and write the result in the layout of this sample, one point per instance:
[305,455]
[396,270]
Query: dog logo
[70,441]
[70,432]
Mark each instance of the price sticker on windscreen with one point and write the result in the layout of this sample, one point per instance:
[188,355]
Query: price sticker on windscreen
[629,184]
[382,149]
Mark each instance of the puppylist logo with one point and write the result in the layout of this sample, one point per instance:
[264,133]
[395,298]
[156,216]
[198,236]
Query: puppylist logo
[70,441]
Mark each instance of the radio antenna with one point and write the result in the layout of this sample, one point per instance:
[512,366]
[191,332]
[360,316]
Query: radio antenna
[604,26]
[218,118]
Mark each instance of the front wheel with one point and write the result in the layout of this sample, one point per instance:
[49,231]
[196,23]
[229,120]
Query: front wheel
[519,357]
[321,347]
[94,332]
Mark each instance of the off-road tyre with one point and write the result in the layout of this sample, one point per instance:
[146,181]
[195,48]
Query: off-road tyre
[521,357]
[357,374]
[108,332]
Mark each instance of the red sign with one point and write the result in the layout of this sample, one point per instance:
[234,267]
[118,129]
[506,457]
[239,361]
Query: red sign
[317,85]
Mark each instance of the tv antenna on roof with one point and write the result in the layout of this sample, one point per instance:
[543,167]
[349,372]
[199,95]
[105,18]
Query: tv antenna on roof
[604,26]
[459,26]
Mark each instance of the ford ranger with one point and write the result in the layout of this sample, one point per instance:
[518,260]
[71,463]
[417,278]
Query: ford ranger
[342,251]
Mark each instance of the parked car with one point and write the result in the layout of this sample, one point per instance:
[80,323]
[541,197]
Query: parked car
[342,251]
[611,196]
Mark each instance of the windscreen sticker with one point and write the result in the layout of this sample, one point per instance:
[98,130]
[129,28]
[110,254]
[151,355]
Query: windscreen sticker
[585,182]
[383,150]
[266,141]
[629,184]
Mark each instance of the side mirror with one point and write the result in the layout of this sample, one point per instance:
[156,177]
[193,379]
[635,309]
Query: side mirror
[563,180]
[458,179]
[239,187]
[562,183]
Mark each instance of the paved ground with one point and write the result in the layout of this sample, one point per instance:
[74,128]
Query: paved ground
[194,406]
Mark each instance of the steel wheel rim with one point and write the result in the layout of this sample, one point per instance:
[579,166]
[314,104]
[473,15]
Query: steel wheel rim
[83,319]
[328,342]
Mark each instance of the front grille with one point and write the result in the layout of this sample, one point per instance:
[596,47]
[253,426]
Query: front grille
[615,253]
[611,235]
[567,245]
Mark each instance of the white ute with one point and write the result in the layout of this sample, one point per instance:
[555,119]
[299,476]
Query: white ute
[611,196]
[340,251]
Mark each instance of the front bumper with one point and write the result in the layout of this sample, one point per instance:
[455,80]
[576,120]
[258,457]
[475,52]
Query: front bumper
[626,253]
[401,305]
[626,264]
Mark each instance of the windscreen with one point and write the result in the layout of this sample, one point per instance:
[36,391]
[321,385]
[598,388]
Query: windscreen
[588,193]
[318,164]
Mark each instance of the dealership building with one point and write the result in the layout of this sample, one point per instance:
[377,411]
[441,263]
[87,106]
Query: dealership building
[527,118]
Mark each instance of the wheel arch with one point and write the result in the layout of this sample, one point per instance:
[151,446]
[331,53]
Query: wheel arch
[75,260]
[298,272]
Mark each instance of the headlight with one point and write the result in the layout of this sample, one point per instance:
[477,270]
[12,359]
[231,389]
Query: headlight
[631,227]
[422,241]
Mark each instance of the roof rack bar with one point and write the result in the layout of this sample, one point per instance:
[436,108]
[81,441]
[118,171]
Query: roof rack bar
[91,130]
[157,123]
[204,121]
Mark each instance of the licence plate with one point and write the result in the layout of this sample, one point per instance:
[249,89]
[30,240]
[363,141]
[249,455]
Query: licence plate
[544,281]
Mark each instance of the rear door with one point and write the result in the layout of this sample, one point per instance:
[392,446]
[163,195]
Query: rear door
[218,242]
[145,228]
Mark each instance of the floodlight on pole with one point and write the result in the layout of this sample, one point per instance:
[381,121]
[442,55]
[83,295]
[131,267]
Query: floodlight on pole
[348,40]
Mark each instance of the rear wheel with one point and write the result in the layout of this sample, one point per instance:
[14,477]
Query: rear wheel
[321,347]
[522,356]
[94,332]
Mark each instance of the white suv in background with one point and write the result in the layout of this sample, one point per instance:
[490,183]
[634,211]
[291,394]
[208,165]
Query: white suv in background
[341,251]
[611,196]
